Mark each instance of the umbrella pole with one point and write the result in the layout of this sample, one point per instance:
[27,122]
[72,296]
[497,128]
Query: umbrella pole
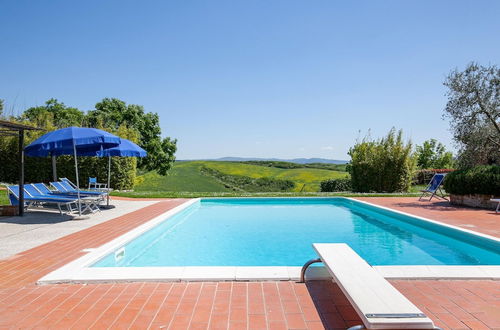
[109,176]
[54,167]
[77,181]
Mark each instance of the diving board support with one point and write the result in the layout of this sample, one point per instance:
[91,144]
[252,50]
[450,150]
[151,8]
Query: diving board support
[304,269]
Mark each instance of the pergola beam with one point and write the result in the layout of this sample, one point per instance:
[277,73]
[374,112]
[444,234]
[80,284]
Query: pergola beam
[21,173]
[14,129]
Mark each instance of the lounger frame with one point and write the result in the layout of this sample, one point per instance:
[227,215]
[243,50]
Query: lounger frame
[434,193]
[90,203]
[32,201]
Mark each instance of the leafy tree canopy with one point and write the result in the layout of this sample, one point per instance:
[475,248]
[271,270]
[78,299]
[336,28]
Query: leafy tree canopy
[112,113]
[433,154]
[54,114]
[474,109]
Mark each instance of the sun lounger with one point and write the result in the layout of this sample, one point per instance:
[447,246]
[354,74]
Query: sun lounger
[101,190]
[90,203]
[377,302]
[496,200]
[66,188]
[69,182]
[91,199]
[434,187]
[46,191]
[41,187]
[30,200]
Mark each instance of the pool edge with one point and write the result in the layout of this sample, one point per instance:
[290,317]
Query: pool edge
[78,270]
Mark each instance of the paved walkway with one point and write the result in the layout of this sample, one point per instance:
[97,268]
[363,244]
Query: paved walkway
[203,305]
[37,227]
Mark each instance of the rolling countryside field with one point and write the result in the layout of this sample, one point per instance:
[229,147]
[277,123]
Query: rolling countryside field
[190,176]
[184,176]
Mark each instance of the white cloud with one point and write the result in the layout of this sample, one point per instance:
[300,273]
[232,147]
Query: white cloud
[327,148]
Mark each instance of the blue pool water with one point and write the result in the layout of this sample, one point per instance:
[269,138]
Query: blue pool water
[280,232]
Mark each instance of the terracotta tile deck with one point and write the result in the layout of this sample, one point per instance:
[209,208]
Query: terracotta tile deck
[204,305]
[481,220]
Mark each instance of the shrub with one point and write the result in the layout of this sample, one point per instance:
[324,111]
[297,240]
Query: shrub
[384,165]
[331,185]
[483,179]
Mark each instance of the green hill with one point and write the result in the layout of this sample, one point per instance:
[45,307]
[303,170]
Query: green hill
[184,176]
[190,176]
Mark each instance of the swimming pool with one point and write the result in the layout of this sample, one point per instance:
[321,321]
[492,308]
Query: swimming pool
[280,232]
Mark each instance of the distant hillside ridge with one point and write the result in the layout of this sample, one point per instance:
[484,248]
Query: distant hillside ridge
[295,160]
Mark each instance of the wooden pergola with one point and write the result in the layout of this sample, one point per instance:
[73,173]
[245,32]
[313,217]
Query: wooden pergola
[8,128]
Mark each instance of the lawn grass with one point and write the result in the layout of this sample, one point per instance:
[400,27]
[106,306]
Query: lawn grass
[418,188]
[176,194]
[4,200]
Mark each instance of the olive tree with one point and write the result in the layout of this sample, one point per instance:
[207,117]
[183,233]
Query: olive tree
[474,109]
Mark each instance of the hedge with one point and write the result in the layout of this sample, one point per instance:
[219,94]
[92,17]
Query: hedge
[484,179]
[332,185]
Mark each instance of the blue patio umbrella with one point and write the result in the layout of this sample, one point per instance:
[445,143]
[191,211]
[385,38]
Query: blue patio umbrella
[65,141]
[126,148]
[72,141]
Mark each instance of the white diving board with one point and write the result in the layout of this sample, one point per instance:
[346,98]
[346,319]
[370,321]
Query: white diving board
[377,302]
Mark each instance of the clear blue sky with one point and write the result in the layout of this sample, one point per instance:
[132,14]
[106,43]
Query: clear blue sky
[251,78]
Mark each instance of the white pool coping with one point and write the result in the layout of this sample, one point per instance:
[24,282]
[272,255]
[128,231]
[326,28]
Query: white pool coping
[79,270]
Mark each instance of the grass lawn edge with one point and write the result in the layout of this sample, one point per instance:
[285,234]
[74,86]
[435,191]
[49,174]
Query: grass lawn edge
[169,194]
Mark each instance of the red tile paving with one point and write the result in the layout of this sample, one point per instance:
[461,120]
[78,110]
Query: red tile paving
[208,305]
[481,220]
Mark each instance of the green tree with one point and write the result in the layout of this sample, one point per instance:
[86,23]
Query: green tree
[474,109]
[384,165]
[1,108]
[112,113]
[54,112]
[433,154]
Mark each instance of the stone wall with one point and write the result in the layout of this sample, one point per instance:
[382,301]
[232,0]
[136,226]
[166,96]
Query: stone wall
[479,201]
